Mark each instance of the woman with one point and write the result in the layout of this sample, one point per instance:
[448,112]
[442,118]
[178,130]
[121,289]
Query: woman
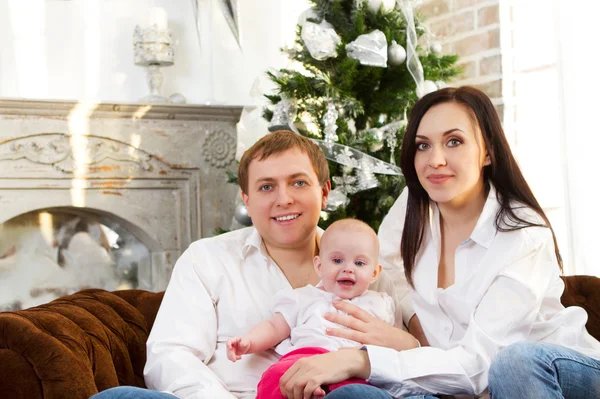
[481,267]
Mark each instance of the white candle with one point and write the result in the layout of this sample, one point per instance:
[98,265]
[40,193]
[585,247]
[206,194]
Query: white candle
[158,16]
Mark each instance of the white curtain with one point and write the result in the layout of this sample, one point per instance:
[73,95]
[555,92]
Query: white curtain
[579,88]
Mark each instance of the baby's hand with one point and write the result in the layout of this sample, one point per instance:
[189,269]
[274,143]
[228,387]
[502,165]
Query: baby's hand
[318,393]
[236,347]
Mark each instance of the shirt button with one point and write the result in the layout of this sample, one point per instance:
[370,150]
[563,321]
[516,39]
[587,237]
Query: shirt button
[446,328]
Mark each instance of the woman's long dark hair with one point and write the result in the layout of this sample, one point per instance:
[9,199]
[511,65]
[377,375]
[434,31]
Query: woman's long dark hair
[503,172]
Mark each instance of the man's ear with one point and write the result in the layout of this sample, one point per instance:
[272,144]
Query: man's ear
[246,199]
[317,263]
[325,190]
[376,273]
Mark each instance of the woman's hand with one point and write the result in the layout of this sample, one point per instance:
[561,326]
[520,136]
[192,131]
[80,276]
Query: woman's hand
[367,329]
[304,379]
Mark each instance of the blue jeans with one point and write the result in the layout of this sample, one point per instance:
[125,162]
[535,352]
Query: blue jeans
[131,393]
[361,391]
[357,391]
[540,370]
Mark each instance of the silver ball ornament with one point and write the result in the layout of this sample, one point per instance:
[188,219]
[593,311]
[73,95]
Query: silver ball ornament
[241,215]
[388,5]
[427,87]
[435,48]
[396,54]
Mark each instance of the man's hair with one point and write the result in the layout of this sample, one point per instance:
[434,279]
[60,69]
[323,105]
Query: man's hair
[276,143]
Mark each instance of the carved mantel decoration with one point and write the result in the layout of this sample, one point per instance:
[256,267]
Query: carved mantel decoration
[54,149]
[159,170]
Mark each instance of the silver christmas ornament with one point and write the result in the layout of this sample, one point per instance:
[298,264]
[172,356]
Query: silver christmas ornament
[320,40]
[370,49]
[345,183]
[427,87]
[435,48]
[336,199]
[329,120]
[307,14]
[389,134]
[241,215]
[366,177]
[388,5]
[284,115]
[396,54]
[351,126]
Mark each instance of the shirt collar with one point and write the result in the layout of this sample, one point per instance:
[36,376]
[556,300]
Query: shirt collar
[255,242]
[485,228]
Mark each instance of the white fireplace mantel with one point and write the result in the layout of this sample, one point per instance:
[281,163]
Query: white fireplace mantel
[158,169]
[50,108]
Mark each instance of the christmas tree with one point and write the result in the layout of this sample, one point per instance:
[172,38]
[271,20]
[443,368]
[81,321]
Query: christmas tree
[354,85]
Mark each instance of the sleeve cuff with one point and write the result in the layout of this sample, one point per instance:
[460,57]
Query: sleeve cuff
[385,364]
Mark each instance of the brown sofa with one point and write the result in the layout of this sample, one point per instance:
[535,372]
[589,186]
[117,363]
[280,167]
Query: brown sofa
[83,343]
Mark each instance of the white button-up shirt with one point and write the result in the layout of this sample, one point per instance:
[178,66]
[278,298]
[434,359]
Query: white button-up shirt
[507,289]
[221,287]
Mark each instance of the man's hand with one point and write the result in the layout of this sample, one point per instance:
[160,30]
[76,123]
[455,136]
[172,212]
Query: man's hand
[366,329]
[236,347]
[304,379]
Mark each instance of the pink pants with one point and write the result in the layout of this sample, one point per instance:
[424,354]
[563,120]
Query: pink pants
[268,387]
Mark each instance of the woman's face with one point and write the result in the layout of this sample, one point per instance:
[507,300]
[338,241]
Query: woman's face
[450,154]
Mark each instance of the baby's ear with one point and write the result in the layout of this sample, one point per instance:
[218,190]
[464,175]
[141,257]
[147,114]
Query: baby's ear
[376,272]
[317,264]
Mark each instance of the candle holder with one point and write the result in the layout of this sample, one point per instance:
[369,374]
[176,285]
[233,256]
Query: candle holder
[153,49]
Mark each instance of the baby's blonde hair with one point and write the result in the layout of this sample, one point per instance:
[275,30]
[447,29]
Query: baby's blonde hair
[350,225]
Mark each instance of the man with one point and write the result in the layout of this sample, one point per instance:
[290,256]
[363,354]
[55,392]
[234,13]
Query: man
[222,286]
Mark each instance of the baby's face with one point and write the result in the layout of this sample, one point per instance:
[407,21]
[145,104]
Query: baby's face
[348,263]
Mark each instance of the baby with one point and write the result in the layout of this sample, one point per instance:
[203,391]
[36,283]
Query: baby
[347,264]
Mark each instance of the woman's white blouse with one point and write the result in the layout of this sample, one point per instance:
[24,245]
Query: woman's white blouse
[507,289]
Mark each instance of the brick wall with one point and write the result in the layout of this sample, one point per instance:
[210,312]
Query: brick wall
[471,29]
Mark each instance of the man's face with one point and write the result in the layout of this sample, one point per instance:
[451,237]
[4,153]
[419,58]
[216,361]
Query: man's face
[284,199]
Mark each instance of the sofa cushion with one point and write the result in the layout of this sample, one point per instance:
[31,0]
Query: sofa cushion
[76,345]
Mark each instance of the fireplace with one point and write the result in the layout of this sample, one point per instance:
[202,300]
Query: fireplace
[107,195]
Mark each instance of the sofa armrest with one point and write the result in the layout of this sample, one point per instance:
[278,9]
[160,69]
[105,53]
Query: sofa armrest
[584,291]
[72,347]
